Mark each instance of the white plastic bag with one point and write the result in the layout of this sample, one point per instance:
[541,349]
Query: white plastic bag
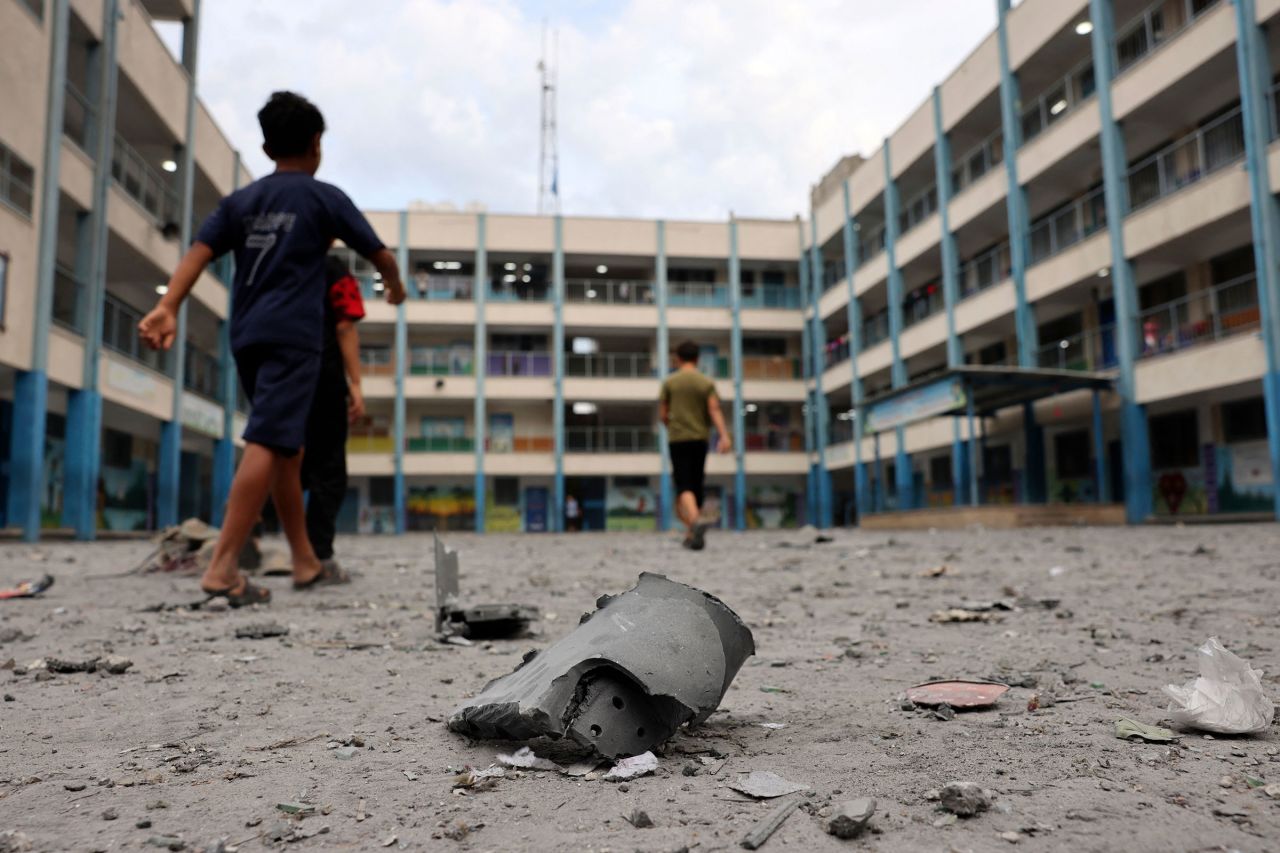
[1226,698]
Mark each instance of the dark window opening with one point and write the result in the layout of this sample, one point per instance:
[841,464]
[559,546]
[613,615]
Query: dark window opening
[1175,440]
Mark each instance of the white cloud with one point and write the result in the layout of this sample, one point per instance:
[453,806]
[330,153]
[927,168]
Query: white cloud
[676,108]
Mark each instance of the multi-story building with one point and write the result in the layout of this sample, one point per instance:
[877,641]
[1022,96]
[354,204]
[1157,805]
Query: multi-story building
[1137,249]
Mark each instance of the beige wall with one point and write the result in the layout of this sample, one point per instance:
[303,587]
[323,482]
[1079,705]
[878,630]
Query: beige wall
[151,68]
[610,236]
[913,139]
[976,78]
[1078,128]
[1213,33]
[1033,22]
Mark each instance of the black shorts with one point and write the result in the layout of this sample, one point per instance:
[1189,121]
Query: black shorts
[280,382]
[688,467]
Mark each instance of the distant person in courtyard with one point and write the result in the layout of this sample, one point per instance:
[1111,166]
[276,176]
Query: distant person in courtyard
[690,407]
[338,401]
[572,515]
[280,228]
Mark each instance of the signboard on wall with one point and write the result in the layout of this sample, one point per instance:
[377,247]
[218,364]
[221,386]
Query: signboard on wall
[919,404]
[137,383]
[203,416]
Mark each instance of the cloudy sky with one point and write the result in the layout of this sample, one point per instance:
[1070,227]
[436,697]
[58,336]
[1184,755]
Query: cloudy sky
[674,108]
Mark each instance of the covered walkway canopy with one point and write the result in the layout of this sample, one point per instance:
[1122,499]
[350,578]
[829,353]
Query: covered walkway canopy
[980,390]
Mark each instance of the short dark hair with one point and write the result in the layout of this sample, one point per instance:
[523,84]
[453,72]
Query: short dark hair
[687,352]
[289,122]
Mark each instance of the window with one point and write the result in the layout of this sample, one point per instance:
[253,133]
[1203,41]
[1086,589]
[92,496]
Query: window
[1071,454]
[1244,420]
[997,464]
[506,491]
[1175,440]
[382,491]
[17,180]
[940,472]
[117,448]
[1232,265]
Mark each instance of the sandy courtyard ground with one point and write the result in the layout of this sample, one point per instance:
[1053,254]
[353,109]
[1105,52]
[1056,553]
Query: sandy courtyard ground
[206,733]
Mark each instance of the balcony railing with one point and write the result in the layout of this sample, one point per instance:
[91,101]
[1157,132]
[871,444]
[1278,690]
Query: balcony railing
[612,365]
[923,304]
[1227,309]
[520,444]
[151,189]
[917,209]
[837,352]
[871,245]
[519,364]
[1197,155]
[977,161]
[202,374]
[875,329]
[782,440]
[770,367]
[839,431]
[435,287]
[1155,26]
[610,440]
[771,295]
[1068,225]
[1092,350]
[692,294]
[609,292]
[120,335]
[440,361]
[1058,101]
[68,300]
[78,116]
[519,291]
[440,444]
[984,270]
[377,361]
[370,440]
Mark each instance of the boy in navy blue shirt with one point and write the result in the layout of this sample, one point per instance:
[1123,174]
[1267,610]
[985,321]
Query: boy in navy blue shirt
[280,228]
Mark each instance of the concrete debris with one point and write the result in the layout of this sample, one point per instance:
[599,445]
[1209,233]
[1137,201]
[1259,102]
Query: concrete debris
[12,841]
[964,799]
[12,635]
[346,753]
[261,631]
[167,842]
[115,664]
[935,571]
[957,614]
[765,784]
[639,819]
[1127,729]
[646,662]
[1227,698]
[524,758]
[482,621]
[185,548]
[850,818]
[631,768]
[768,825]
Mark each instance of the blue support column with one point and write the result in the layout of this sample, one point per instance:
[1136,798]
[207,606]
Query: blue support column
[974,497]
[950,277]
[806,371]
[224,451]
[879,496]
[1100,451]
[481,360]
[169,465]
[739,405]
[1254,70]
[822,411]
[861,480]
[1134,437]
[1033,477]
[1016,197]
[401,496]
[557,359]
[898,371]
[666,488]
[31,386]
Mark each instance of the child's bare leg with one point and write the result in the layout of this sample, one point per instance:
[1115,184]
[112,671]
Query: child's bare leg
[244,505]
[687,509]
[286,492]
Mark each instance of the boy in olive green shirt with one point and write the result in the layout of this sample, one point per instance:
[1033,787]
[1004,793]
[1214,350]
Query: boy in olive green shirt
[689,407]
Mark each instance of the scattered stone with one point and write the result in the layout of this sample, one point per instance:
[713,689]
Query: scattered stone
[64,667]
[115,664]
[1272,790]
[261,631]
[631,768]
[346,753]
[765,784]
[110,814]
[964,799]
[12,635]
[1011,837]
[8,697]
[12,841]
[639,819]
[167,842]
[143,823]
[1227,782]
[944,712]
[850,818]
[76,786]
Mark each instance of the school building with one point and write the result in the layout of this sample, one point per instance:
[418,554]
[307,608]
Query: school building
[1056,283]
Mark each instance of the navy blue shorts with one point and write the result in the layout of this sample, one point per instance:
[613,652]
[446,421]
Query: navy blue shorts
[280,382]
[689,467]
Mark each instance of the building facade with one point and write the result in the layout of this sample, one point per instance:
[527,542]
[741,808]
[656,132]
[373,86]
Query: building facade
[1093,188]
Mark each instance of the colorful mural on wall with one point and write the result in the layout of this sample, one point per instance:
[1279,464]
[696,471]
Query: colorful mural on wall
[771,508]
[630,508]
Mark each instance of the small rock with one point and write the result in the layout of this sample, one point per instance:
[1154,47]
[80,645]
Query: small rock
[110,814]
[850,818]
[143,823]
[215,605]
[115,664]
[75,786]
[1011,837]
[261,631]
[964,799]
[906,705]
[1226,782]
[1272,790]
[8,697]
[944,712]
[640,819]
[346,753]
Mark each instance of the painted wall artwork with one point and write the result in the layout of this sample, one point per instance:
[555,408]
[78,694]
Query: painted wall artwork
[631,508]
[441,508]
[1244,478]
[771,508]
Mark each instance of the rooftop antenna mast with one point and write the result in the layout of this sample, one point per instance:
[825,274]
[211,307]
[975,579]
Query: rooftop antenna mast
[548,149]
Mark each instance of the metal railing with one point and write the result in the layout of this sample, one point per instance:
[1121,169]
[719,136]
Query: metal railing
[770,367]
[120,335]
[772,295]
[78,116]
[1184,162]
[148,187]
[1059,100]
[871,245]
[370,440]
[440,444]
[609,292]
[774,440]
[68,300]
[875,329]
[984,270]
[613,365]
[519,291]
[520,444]
[1068,225]
[976,162]
[377,361]
[837,352]
[1153,27]
[1089,350]
[202,373]
[440,361]
[922,304]
[610,440]
[518,364]
[1227,309]
[435,287]
[917,209]
[693,294]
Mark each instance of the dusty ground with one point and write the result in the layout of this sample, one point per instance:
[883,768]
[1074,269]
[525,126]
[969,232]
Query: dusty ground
[842,629]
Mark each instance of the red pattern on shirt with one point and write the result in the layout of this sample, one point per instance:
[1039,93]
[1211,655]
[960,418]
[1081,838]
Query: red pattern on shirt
[345,299]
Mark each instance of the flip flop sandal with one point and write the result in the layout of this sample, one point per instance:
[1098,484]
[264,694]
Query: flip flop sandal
[251,594]
[330,575]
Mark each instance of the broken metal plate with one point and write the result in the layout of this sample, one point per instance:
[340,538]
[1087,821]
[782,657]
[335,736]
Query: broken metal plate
[647,661]
[957,694]
[482,621]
